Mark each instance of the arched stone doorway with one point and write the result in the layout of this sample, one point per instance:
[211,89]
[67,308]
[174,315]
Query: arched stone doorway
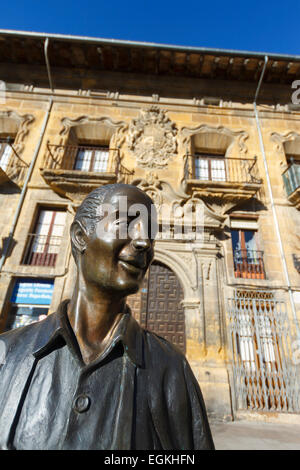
[157,306]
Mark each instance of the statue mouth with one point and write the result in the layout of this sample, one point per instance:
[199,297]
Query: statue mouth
[134,265]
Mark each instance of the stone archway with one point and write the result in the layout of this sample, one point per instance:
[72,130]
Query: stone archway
[158,305]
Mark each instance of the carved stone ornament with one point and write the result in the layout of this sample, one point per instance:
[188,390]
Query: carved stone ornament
[10,121]
[23,121]
[118,127]
[280,139]
[151,185]
[234,136]
[168,201]
[152,138]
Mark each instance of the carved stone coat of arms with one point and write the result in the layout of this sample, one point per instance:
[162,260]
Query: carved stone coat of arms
[152,138]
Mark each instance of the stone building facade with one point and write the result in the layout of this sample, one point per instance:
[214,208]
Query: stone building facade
[214,146]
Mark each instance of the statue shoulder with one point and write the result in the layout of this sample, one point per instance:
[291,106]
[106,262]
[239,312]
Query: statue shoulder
[22,340]
[162,349]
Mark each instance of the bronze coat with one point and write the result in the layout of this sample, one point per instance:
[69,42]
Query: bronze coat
[158,377]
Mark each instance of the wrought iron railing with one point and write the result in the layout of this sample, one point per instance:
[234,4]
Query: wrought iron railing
[82,158]
[221,169]
[41,250]
[88,159]
[249,264]
[261,340]
[291,178]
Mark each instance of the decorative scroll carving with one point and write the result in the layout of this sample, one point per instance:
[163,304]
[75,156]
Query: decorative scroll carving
[166,198]
[23,122]
[18,125]
[280,139]
[152,138]
[119,127]
[236,136]
[151,185]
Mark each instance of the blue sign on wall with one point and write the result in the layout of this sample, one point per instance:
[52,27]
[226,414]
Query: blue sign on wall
[33,291]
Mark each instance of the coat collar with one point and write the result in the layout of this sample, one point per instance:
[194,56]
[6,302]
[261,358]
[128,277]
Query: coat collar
[55,330]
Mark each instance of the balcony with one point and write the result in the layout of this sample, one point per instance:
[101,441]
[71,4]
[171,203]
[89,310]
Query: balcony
[41,250]
[221,181]
[291,179]
[248,264]
[73,171]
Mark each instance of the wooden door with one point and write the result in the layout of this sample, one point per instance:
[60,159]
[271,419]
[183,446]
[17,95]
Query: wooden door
[157,306]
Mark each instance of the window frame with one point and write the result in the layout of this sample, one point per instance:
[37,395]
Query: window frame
[46,257]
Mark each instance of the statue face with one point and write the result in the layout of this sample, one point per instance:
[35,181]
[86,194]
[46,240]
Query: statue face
[120,250]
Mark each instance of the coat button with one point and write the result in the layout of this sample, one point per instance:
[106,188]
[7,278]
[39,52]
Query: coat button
[82,403]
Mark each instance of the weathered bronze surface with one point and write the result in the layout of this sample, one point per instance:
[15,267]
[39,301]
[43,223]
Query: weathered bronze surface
[88,376]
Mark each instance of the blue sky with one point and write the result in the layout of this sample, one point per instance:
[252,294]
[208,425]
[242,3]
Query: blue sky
[262,26]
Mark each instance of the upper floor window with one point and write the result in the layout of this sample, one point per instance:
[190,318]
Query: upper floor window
[43,244]
[209,167]
[92,158]
[291,175]
[5,154]
[248,260]
[293,159]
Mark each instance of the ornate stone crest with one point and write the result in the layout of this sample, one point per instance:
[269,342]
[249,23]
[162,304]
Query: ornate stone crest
[152,138]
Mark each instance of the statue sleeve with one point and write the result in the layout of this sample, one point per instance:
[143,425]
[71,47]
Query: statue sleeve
[177,406]
[199,426]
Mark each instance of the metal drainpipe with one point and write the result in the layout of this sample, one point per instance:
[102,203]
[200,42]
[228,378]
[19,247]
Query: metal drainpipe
[262,148]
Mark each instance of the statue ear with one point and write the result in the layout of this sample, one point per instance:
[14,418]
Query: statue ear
[78,236]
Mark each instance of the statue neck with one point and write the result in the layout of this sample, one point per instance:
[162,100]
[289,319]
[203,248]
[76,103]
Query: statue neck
[93,316]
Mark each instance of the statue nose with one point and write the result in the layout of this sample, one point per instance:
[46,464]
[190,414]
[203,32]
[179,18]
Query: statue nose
[141,244]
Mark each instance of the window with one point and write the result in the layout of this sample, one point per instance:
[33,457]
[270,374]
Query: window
[43,245]
[293,159]
[210,167]
[248,260]
[30,301]
[260,339]
[92,159]
[22,315]
[5,153]
[291,176]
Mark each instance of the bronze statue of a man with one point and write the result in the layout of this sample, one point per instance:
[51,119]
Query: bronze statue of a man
[88,376]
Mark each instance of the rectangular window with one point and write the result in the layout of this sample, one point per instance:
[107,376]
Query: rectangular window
[5,153]
[210,167]
[248,260]
[291,159]
[43,245]
[92,159]
[30,301]
[259,335]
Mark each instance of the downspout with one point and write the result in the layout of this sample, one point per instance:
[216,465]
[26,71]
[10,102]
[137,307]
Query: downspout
[277,229]
[31,166]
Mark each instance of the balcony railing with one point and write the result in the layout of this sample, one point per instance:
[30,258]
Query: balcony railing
[41,250]
[82,158]
[249,264]
[221,169]
[291,178]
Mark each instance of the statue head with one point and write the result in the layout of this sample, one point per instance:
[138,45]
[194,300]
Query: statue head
[112,238]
